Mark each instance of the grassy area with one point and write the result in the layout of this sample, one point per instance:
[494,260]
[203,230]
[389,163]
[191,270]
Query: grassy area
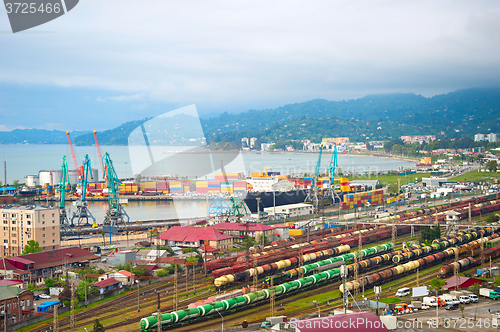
[389,300]
[393,179]
[477,176]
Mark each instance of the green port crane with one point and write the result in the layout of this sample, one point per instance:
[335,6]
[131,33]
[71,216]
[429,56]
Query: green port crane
[63,216]
[238,207]
[331,170]
[116,214]
[83,213]
[312,195]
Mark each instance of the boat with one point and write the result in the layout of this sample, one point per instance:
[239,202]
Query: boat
[27,192]
[273,198]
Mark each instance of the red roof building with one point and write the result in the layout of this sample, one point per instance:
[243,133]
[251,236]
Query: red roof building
[194,237]
[108,285]
[38,266]
[255,230]
[462,282]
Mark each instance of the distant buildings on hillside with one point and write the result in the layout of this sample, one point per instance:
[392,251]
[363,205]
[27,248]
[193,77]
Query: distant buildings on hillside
[491,137]
[418,138]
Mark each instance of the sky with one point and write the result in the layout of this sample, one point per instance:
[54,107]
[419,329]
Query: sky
[108,62]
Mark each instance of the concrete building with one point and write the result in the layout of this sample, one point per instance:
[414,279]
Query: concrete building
[123,276]
[24,223]
[108,285]
[16,300]
[462,282]
[194,237]
[335,140]
[292,210]
[239,230]
[478,137]
[252,141]
[270,184]
[122,257]
[418,138]
[265,146]
[492,137]
[433,181]
[244,142]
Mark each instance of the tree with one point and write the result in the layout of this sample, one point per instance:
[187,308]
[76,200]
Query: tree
[492,166]
[161,273]
[492,218]
[461,307]
[49,282]
[437,284]
[98,327]
[15,183]
[32,247]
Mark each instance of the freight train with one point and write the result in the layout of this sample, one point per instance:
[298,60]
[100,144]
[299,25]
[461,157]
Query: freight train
[226,276]
[244,301]
[468,262]
[398,270]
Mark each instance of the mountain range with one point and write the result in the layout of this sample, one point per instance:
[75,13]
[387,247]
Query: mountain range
[374,117]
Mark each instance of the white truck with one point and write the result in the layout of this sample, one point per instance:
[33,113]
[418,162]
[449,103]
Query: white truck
[462,297]
[473,297]
[430,301]
[419,305]
[450,299]
[489,293]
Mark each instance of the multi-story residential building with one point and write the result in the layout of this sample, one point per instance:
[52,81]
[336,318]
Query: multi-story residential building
[21,224]
[478,137]
[492,137]
[418,138]
[253,140]
[335,140]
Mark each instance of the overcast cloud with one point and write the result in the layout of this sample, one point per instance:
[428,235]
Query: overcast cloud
[236,55]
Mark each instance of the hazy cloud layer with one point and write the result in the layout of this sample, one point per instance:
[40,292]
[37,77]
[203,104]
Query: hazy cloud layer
[245,54]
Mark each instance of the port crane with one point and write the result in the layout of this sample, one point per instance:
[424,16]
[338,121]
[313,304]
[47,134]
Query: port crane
[78,170]
[115,214]
[63,216]
[331,193]
[312,195]
[238,207]
[98,148]
[83,213]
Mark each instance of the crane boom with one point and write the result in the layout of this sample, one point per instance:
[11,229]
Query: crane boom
[83,213]
[63,217]
[98,152]
[77,169]
[115,214]
[333,165]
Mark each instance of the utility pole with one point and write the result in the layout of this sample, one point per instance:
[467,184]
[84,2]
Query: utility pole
[418,280]
[394,234]
[72,319]
[85,291]
[6,317]
[254,273]
[482,250]
[187,276]
[456,268]
[272,297]
[175,288]
[412,231]
[55,318]
[159,313]
[194,281]
[343,273]
[470,216]
[138,295]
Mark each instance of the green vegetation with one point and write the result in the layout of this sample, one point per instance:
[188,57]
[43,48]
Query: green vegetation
[437,283]
[477,176]
[98,327]
[428,234]
[31,247]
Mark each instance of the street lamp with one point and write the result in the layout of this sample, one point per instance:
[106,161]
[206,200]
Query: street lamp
[222,319]
[316,304]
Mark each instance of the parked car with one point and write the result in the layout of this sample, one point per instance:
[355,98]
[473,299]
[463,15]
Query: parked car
[44,296]
[36,297]
[451,307]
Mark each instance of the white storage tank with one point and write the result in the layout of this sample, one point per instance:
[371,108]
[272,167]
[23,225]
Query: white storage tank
[32,181]
[50,176]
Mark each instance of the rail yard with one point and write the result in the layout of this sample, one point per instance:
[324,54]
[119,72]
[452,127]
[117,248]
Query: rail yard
[302,274]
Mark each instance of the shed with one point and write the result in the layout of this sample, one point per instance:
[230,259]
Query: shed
[462,282]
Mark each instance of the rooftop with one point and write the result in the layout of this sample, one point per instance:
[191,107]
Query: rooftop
[106,283]
[233,226]
[193,234]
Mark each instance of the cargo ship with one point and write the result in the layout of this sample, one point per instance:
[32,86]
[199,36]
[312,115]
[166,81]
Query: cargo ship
[268,198]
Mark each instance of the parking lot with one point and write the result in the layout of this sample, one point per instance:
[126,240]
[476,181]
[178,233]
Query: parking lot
[479,310]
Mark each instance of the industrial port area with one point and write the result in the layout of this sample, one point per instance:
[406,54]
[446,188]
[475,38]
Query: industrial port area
[228,166]
[426,257]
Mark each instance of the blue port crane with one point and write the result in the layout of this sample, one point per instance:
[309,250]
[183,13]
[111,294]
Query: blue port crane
[63,216]
[331,170]
[238,207]
[312,195]
[116,214]
[83,213]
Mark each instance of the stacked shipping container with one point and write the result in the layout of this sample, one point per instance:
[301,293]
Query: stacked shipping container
[356,200]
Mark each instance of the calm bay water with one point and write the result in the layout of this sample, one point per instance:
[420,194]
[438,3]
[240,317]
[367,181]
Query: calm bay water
[25,160]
